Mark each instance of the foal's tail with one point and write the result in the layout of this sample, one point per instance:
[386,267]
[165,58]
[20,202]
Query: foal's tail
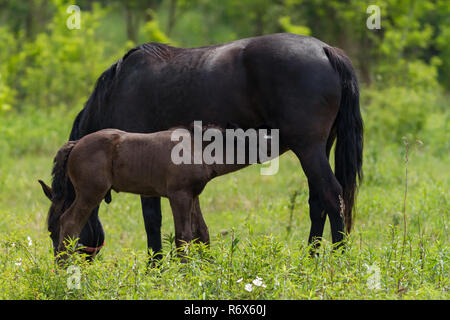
[61,185]
[349,128]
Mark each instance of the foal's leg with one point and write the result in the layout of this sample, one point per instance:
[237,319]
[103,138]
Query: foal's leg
[199,227]
[73,220]
[325,191]
[92,234]
[182,208]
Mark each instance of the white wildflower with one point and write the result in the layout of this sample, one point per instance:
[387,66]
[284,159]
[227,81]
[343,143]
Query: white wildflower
[240,280]
[249,287]
[257,282]
[373,281]
[30,242]
[19,262]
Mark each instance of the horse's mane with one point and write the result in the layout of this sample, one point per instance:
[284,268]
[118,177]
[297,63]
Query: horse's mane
[156,50]
[108,79]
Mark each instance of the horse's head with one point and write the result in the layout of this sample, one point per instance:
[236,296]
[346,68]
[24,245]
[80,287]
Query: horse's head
[91,238]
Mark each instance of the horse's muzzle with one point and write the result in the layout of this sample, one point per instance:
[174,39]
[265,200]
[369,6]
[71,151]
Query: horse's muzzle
[91,251]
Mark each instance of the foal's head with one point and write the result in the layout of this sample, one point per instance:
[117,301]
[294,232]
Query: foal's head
[62,195]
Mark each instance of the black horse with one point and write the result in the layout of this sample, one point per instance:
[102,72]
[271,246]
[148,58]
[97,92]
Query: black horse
[299,85]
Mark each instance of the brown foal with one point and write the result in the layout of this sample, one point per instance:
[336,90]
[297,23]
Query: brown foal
[127,162]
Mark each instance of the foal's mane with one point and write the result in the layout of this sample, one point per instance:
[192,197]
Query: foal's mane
[62,188]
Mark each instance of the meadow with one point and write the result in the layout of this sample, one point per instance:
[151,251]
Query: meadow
[258,225]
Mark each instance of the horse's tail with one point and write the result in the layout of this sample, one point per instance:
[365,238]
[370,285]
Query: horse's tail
[349,129]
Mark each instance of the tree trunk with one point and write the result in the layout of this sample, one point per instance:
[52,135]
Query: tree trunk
[29,21]
[132,24]
[259,24]
[172,16]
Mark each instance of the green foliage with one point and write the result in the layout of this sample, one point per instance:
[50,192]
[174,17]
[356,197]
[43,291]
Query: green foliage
[7,47]
[61,66]
[443,43]
[40,132]
[285,22]
[392,113]
[152,31]
[6,97]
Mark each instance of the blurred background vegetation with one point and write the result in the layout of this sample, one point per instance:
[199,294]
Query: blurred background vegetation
[404,67]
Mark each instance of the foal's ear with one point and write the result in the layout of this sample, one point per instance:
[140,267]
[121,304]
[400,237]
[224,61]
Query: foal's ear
[47,190]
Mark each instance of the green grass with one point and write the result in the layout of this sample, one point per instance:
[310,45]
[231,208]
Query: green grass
[248,216]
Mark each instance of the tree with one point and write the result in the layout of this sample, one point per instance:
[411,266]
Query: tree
[31,16]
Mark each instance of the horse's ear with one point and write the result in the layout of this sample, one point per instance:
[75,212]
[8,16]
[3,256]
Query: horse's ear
[47,190]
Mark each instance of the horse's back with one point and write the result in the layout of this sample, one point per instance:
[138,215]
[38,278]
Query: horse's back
[297,63]
[242,82]
[296,88]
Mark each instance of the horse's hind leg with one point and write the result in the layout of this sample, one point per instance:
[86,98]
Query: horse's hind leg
[317,215]
[325,192]
[316,207]
[199,227]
